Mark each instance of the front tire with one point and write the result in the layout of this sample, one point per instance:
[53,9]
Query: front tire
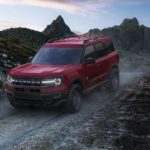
[13,104]
[74,99]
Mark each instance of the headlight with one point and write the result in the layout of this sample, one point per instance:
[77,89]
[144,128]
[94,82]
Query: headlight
[9,79]
[53,82]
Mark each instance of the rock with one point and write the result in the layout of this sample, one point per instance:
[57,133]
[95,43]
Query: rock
[146,37]
[130,25]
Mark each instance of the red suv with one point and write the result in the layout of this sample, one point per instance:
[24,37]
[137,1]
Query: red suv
[62,70]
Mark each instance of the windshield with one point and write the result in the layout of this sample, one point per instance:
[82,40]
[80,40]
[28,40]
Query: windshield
[58,56]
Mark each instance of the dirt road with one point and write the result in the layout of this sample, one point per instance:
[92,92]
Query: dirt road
[51,129]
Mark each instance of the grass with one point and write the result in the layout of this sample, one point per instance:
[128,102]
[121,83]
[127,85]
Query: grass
[18,51]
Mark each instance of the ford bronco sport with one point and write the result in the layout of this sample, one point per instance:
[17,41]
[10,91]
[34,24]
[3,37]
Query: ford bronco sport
[62,70]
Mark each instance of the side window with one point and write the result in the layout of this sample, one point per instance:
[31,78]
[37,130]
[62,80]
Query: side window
[109,46]
[89,52]
[100,50]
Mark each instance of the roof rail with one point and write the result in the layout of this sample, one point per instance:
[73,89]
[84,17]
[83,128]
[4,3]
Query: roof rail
[92,37]
[59,38]
[85,41]
[99,36]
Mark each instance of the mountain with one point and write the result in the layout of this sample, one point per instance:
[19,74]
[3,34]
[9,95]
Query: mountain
[128,36]
[58,28]
[18,44]
[36,39]
[33,39]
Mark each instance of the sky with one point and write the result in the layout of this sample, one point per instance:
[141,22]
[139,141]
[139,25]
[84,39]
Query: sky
[79,15]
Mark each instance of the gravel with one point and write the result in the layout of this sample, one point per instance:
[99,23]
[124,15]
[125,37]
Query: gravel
[51,129]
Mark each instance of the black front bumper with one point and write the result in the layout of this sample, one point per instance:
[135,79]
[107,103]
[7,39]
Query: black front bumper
[37,99]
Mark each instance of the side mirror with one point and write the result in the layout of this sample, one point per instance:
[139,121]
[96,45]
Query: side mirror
[89,61]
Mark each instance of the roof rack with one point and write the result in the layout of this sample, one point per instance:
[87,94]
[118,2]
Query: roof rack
[98,36]
[91,38]
[88,38]
[59,38]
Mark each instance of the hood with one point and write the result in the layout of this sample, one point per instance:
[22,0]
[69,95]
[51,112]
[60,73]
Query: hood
[36,70]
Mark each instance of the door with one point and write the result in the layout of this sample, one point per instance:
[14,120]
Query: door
[90,70]
[102,61]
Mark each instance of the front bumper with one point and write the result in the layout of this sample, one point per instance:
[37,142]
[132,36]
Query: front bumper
[34,97]
[50,99]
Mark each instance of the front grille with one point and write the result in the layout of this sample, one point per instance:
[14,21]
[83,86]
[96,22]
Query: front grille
[28,82]
[27,90]
[27,96]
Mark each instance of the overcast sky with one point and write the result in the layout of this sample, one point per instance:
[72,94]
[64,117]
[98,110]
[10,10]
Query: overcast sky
[80,15]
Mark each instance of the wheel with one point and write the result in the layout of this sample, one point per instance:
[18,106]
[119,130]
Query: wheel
[13,104]
[74,99]
[113,83]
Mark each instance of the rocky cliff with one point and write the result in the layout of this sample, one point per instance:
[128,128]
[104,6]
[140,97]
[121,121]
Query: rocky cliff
[128,36]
